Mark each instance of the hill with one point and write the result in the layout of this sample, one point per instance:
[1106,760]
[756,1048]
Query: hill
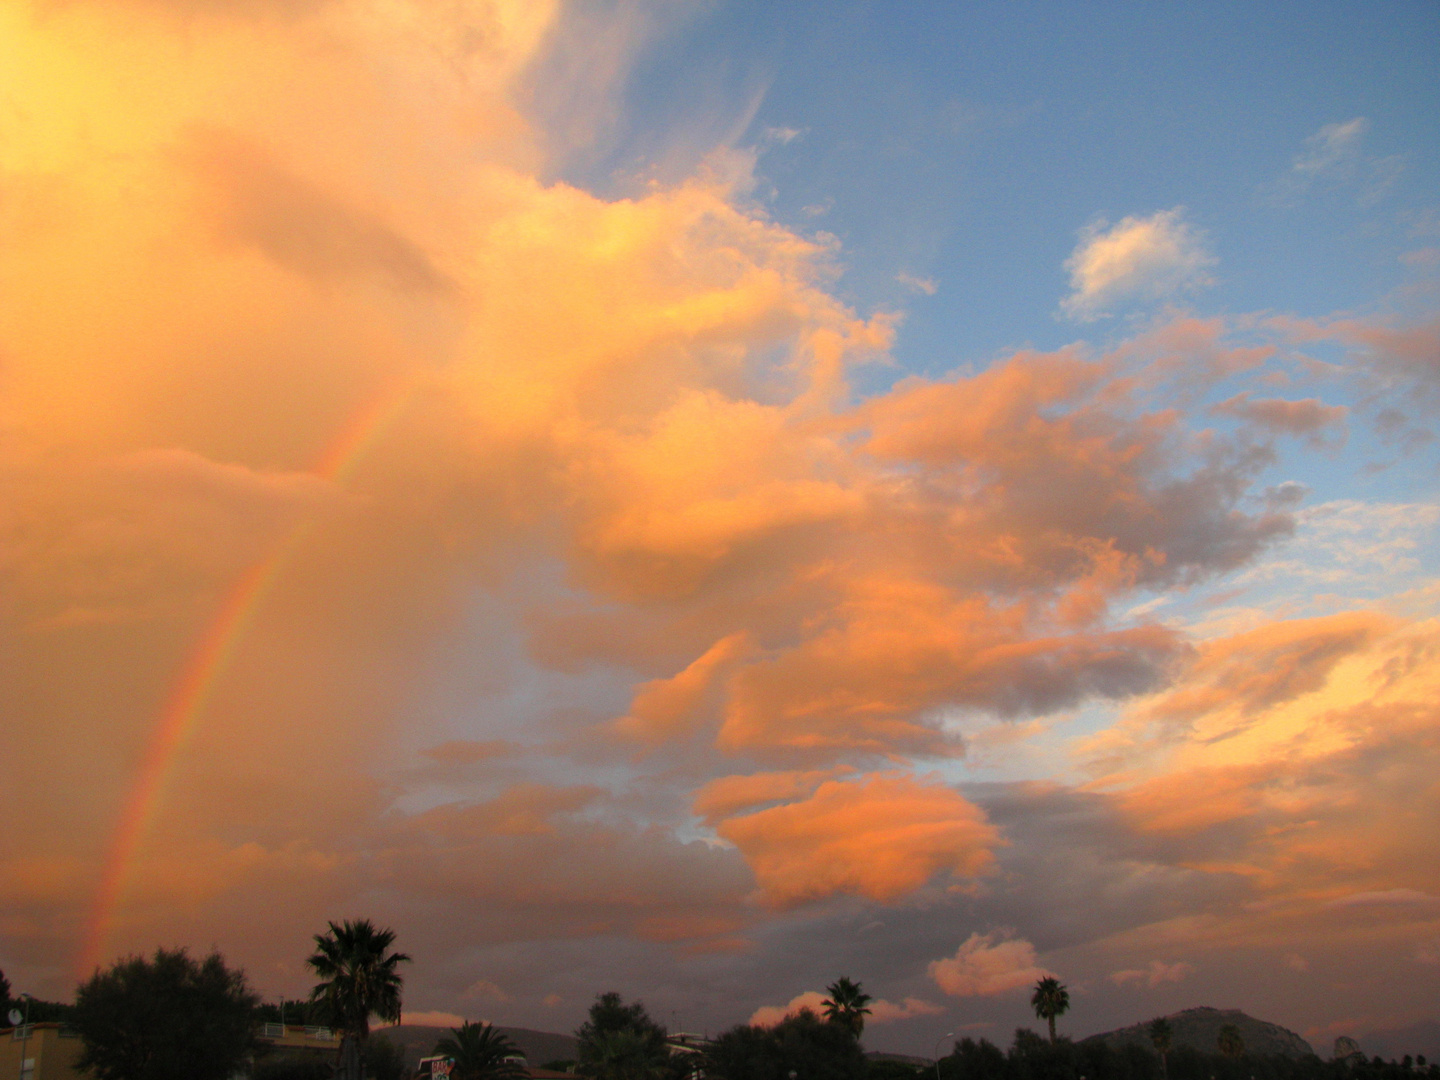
[1200,1028]
[537,1046]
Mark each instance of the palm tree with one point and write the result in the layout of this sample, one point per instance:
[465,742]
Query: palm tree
[480,1053]
[625,1054]
[1230,1042]
[358,980]
[847,1005]
[1162,1036]
[1050,1000]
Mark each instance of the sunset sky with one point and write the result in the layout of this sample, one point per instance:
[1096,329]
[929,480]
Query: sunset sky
[698,499]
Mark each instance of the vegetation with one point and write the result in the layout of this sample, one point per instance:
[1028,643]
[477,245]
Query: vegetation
[359,978]
[1050,999]
[803,1044]
[298,1012]
[1230,1043]
[167,1018]
[847,1005]
[291,1067]
[1032,1057]
[39,1012]
[1163,1036]
[480,1053]
[172,1017]
[622,1042]
[384,1060]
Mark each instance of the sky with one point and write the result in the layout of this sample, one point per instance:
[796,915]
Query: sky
[698,499]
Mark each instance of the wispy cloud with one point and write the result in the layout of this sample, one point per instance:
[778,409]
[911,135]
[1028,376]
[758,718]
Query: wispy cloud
[1334,158]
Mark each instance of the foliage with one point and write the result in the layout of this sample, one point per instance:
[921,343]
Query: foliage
[624,1055]
[886,1069]
[38,1011]
[298,1012]
[803,1043]
[847,1005]
[1163,1037]
[1033,1058]
[359,978]
[283,1066]
[621,1042]
[1049,1000]
[1229,1042]
[479,1053]
[384,1060]
[167,1018]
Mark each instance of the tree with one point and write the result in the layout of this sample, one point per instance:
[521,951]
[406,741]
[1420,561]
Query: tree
[804,1044]
[621,1042]
[479,1053]
[1049,1000]
[167,1018]
[1230,1042]
[359,978]
[847,1005]
[384,1060]
[1163,1037]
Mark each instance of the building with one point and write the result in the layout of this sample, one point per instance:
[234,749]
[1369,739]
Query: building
[40,1052]
[50,1051]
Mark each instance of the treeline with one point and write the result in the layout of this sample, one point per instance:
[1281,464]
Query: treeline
[1032,1057]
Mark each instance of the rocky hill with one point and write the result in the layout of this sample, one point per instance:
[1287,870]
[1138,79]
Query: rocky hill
[1200,1028]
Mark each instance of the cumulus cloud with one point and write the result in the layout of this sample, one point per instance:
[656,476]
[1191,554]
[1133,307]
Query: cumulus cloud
[600,614]
[1134,262]
[986,965]
[769,1015]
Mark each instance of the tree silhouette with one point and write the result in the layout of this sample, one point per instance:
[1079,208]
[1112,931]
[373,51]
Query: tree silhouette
[847,1005]
[480,1053]
[165,1017]
[1162,1036]
[1230,1042]
[621,1042]
[1049,1000]
[359,978]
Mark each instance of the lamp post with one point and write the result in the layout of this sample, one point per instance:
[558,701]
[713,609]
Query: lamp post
[947,1035]
[25,1037]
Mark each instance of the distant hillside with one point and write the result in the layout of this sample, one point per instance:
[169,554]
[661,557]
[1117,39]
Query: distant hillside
[1200,1028]
[537,1046]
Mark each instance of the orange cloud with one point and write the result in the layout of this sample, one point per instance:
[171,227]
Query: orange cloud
[986,965]
[1156,973]
[881,1011]
[768,1016]
[882,837]
[727,795]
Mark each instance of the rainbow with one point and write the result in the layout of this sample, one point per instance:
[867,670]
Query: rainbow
[210,657]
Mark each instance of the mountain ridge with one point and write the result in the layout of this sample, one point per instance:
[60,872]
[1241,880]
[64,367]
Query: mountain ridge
[1199,1029]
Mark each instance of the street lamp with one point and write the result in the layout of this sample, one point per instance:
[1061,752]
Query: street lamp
[25,1036]
[942,1038]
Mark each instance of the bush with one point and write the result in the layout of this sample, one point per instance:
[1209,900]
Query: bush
[168,1018]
